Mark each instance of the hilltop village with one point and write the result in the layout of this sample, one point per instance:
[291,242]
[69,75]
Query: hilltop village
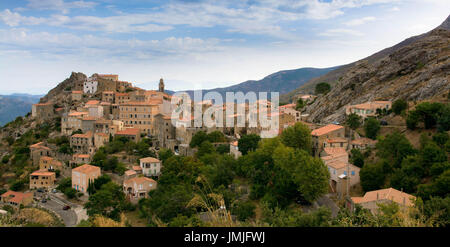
[110,132]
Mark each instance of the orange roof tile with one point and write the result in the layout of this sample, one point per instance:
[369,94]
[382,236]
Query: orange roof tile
[150,159]
[86,169]
[131,131]
[42,173]
[387,194]
[326,129]
[16,197]
[334,151]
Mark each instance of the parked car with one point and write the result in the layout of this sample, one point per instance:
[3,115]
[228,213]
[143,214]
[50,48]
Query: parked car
[383,122]
[44,200]
[67,207]
[41,190]
[54,191]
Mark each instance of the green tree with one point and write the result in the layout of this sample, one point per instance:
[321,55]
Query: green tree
[372,127]
[223,149]
[322,88]
[394,147]
[300,104]
[244,210]
[205,148]
[165,154]
[399,106]
[198,139]
[353,121]
[372,176]
[357,158]
[109,201]
[297,136]
[309,174]
[216,136]
[248,143]
[443,120]
[70,193]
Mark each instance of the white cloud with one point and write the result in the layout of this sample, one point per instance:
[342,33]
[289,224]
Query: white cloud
[261,17]
[360,21]
[59,5]
[341,32]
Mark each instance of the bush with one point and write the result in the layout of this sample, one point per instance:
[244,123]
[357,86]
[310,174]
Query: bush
[399,106]
[372,177]
[372,127]
[70,193]
[322,88]
[244,210]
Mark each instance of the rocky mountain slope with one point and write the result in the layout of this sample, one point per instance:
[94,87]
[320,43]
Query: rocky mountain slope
[282,82]
[334,76]
[415,69]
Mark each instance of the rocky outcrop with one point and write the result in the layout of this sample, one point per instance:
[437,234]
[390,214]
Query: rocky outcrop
[417,71]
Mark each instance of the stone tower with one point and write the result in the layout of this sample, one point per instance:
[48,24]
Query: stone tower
[161,85]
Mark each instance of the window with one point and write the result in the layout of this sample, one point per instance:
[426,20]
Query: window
[353,173]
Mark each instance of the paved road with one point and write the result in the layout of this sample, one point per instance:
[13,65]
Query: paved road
[326,201]
[56,205]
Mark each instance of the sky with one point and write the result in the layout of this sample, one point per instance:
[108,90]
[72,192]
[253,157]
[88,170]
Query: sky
[196,44]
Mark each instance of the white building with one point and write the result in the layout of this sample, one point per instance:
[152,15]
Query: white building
[90,85]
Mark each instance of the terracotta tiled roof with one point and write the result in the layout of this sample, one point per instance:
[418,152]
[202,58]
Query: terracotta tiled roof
[139,180]
[150,159]
[336,140]
[337,164]
[326,129]
[84,156]
[93,102]
[334,151]
[77,113]
[234,143]
[137,168]
[77,92]
[87,135]
[46,158]
[131,131]
[42,173]
[39,145]
[86,169]
[16,197]
[386,194]
[130,172]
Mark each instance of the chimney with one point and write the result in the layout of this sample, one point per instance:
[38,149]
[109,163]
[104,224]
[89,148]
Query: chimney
[404,201]
[377,196]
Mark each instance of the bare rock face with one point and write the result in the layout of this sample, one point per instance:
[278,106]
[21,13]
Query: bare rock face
[60,92]
[415,72]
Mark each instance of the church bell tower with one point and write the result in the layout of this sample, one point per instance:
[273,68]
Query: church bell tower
[161,85]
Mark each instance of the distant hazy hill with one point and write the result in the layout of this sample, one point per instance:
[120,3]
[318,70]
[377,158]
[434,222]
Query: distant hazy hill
[282,82]
[12,106]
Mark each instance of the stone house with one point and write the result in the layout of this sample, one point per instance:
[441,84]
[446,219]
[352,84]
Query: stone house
[138,187]
[151,167]
[132,134]
[16,199]
[83,175]
[83,143]
[49,164]
[42,179]
[39,150]
[371,199]
[321,135]
[368,109]
[77,95]
[43,111]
